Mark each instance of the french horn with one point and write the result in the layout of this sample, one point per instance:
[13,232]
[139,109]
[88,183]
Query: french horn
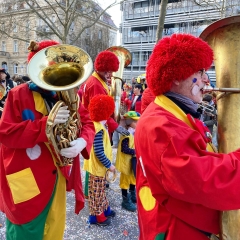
[224,38]
[61,68]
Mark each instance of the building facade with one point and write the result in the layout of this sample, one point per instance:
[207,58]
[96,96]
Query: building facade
[21,22]
[140,21]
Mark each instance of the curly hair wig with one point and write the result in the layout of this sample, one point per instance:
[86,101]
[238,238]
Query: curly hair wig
[101,107]
[176,58]
[35,47]
[106,61]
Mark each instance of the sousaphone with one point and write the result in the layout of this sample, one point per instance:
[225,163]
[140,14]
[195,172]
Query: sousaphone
[224,38]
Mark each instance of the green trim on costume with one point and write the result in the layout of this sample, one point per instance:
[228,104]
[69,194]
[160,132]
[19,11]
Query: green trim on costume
[33,230]
[86,183]
[160,236]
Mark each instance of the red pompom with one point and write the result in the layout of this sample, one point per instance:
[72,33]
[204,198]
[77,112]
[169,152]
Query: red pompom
[106,61]
[41,45]
[101,107]
[176,58]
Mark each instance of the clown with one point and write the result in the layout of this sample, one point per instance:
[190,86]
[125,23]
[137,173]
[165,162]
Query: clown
[105,64]
[101,108]
[182,184]
[32,186]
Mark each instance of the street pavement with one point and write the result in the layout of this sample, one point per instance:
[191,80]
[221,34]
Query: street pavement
[123,227]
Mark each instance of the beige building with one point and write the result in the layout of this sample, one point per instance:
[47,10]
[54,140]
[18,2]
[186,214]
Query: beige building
[22,21]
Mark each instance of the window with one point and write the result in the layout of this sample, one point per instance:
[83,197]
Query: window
[4,46]
[87,31]
[100,34]
[15,29]
[15,46]
[72,26]
[26,46]
[27,26]
[3,26]
[53,18]
[4,65]
[15,68]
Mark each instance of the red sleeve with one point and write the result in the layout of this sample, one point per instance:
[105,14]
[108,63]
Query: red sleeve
[87,130]
[112,125]
[16,132]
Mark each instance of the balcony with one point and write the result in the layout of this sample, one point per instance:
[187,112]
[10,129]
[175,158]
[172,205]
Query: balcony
[43,30]
[3,53]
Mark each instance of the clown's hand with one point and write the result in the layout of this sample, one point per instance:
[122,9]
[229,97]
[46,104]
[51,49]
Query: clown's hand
[61,116]
[122,131]
[76,147]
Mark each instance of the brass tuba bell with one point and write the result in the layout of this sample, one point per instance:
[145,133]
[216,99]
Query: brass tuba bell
[125,58]
[61,68]
[224,38]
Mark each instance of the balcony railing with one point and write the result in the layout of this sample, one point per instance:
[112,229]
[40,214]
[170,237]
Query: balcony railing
[3,53]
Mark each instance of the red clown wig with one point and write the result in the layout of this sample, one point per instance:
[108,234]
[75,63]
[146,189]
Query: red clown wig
[35,47]
[101,107]
[106,61]
[176,58]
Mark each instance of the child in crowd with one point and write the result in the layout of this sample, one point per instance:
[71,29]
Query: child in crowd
[100,108]
[126,162]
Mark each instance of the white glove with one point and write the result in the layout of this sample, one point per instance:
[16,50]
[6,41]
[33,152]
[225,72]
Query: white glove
[62,115]
[76,147]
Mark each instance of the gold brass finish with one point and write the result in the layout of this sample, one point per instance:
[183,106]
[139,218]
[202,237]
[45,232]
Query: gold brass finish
[125,58]
[61,68]
[224,38]
[2,91]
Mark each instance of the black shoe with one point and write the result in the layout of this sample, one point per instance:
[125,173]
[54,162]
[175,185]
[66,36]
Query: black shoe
[112,214]
[107,185]
[104,223]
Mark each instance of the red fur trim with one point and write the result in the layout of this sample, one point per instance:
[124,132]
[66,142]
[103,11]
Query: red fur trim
[176,58]
[106,61]
[101,107]
[41,45]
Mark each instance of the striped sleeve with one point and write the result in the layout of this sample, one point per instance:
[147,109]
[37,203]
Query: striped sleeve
[99,150]
[125,147]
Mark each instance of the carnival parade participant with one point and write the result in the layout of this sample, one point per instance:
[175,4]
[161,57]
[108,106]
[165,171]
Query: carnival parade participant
[101,107]
[105,64]
[134,101]
[32,185]
[7,84]
[126,162]
[182,184]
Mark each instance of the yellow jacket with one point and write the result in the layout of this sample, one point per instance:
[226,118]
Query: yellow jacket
[93,165]
[123,161]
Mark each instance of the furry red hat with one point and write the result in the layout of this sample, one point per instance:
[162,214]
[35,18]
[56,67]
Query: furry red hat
[106,61]
[35,47]
[101,107]
[176,58]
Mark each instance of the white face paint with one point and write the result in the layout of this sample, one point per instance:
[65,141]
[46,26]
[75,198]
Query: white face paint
[195,90]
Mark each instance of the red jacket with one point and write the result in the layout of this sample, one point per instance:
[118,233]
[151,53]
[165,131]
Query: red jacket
[23,137]
[91,88]
[137,106]
[181,187]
